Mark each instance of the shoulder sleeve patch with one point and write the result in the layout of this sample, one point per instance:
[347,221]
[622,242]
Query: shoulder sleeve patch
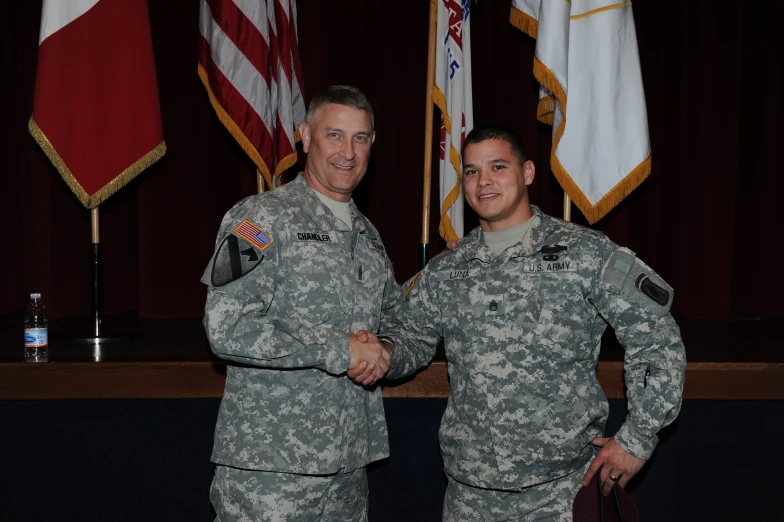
[234,259]
[413,282]
[627,276]
[253,235]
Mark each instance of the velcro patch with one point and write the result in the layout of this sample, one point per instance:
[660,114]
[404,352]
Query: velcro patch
[633,280]
[448,275]
[548,264]
[234,259]
[314,236]
[253,235]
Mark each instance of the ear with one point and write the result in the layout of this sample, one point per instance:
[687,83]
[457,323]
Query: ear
[529,171]
[373,138]
[304,133]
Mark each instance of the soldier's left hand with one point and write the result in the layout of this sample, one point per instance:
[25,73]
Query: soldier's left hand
[614,462]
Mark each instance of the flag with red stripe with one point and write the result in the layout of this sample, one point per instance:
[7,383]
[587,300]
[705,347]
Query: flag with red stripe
[96,112]
[452,95]
[249,64]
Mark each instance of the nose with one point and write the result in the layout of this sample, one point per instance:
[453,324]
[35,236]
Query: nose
[347,149]
[484,178]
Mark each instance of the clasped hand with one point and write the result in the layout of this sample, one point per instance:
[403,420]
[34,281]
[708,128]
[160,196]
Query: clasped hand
[369,358]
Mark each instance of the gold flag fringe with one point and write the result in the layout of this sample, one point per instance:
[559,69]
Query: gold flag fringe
[445,228]
[123,178]
[234,129]
[523,21]
[545,110]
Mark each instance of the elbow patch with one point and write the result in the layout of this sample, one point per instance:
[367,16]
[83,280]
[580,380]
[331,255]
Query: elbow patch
[630,278]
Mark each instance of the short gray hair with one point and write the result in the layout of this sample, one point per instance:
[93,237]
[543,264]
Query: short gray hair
[341,95]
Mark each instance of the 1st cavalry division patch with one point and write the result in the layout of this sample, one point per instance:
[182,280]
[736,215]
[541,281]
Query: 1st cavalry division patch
[239,253]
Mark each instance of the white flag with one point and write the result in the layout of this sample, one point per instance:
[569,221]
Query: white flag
[452,94]
[592,94]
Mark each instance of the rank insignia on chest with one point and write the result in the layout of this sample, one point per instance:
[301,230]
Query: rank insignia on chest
[253,235]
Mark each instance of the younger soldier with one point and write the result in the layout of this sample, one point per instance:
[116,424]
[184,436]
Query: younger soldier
[521,304]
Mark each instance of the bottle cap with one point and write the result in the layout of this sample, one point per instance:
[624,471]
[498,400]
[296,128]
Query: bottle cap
[35,296]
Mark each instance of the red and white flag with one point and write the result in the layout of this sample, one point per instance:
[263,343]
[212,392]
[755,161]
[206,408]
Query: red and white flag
[96,112]
[249,64]
[452,95]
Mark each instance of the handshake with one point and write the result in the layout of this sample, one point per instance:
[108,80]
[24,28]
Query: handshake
[369,358]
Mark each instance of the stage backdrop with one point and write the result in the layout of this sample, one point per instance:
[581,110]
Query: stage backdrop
[708,219]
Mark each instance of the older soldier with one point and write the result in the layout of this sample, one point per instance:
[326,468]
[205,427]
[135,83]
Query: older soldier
[521,304]
[295,270]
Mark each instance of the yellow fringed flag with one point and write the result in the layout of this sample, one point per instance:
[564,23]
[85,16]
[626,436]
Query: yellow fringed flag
[249,64]
[591,92]
[452,95]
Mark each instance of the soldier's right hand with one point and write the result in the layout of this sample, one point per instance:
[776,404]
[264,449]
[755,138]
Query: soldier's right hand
[368,359]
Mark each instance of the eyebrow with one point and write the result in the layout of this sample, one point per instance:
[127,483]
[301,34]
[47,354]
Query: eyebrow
[492,162]
[335,129]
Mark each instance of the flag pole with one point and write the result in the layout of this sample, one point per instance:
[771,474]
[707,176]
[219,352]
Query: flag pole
[97,272]
[431,76]
[567,207]
[97,338]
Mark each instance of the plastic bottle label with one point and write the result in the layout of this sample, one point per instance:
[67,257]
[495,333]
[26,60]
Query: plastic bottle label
[36,337]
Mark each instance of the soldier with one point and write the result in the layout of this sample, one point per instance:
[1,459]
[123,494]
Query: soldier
[295,270]
[521,304]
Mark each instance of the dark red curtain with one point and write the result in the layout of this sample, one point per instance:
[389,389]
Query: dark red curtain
[708,218]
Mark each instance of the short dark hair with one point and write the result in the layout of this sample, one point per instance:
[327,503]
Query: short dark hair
[341,95]
[494,131]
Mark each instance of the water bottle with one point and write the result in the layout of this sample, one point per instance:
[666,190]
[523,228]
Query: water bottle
[36,330]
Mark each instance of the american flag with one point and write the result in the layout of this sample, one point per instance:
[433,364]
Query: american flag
[254,234]
[249,64]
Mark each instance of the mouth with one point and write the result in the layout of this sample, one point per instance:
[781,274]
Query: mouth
[488,197]
[345,168]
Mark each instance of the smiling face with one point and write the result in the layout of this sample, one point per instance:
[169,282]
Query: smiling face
[495,184]
[337,141]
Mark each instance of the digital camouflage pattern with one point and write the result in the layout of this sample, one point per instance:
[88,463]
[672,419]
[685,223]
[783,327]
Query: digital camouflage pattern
[281,303]
[548,502]
[522,332]
[240,495]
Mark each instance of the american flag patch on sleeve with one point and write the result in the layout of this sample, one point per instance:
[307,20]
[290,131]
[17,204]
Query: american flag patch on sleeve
[253,234]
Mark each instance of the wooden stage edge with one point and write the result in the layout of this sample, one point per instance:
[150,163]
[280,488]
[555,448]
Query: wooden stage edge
[202,379]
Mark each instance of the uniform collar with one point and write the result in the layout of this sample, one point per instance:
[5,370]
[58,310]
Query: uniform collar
[323,218]
[474,246]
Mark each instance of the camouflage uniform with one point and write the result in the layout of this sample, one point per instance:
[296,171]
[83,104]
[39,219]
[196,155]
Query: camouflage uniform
[240,495]
[522,332]
[283,299]
[548,502]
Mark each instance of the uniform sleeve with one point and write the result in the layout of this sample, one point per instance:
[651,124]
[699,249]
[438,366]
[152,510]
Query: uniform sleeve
[415,330]
[391,301]
[635,301]
[242,279]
